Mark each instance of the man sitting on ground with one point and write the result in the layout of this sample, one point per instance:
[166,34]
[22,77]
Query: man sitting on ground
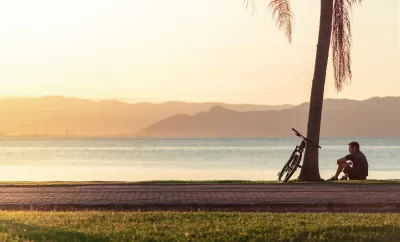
[356,169]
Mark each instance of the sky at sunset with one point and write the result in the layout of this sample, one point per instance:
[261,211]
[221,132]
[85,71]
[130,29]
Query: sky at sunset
[194,51]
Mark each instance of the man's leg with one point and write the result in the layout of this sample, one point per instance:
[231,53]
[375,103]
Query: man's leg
[341,166]
[353,175]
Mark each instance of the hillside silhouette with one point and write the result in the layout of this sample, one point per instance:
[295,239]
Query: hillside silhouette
[341,117]
[60,116]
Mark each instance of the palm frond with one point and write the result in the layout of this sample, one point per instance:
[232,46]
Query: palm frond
[341,41]
[250,4]
[282,12]
[353,2]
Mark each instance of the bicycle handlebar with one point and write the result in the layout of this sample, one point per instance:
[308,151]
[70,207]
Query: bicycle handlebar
[304,138]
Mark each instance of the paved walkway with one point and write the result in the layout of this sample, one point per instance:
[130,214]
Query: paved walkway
[274,198]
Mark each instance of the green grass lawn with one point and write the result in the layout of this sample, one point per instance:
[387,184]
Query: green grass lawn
[72,183]
[197,226]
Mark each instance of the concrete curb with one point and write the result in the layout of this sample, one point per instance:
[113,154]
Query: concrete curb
[254,207]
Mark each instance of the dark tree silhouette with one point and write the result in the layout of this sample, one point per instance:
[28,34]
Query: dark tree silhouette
[335,29]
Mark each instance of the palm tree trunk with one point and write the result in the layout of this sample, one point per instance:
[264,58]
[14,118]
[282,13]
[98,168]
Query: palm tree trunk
[310,169]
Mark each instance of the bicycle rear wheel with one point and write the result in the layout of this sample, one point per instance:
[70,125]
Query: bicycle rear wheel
[290,167]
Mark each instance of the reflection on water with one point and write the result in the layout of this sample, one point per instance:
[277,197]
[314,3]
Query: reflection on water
[178,159]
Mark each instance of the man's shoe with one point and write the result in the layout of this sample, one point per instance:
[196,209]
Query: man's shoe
[343,178]
[333,179]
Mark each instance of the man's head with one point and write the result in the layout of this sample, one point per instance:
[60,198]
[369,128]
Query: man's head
[353,147]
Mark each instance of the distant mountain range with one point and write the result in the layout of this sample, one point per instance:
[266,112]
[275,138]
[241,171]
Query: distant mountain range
[372,117]
[60,116]
[71,117]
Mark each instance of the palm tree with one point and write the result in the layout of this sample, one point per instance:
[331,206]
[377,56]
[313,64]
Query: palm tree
[335,29]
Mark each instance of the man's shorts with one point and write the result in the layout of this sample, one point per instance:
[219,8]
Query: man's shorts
[354,174]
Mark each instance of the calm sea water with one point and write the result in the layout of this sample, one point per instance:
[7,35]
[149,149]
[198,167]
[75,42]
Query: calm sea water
[187,159]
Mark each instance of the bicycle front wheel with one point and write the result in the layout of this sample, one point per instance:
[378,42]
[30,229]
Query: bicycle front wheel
[290,167]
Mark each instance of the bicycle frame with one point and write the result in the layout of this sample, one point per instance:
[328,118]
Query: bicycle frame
[302,146]
[294,161]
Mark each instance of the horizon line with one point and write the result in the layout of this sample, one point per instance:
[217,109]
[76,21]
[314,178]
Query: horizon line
[125,100]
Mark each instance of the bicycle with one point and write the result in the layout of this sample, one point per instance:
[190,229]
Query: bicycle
[294,161]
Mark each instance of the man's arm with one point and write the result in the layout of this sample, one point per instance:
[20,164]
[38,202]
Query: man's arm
[345,159]
[341,160]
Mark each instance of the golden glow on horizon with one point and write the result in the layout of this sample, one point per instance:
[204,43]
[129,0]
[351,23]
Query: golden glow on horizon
[185,50]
